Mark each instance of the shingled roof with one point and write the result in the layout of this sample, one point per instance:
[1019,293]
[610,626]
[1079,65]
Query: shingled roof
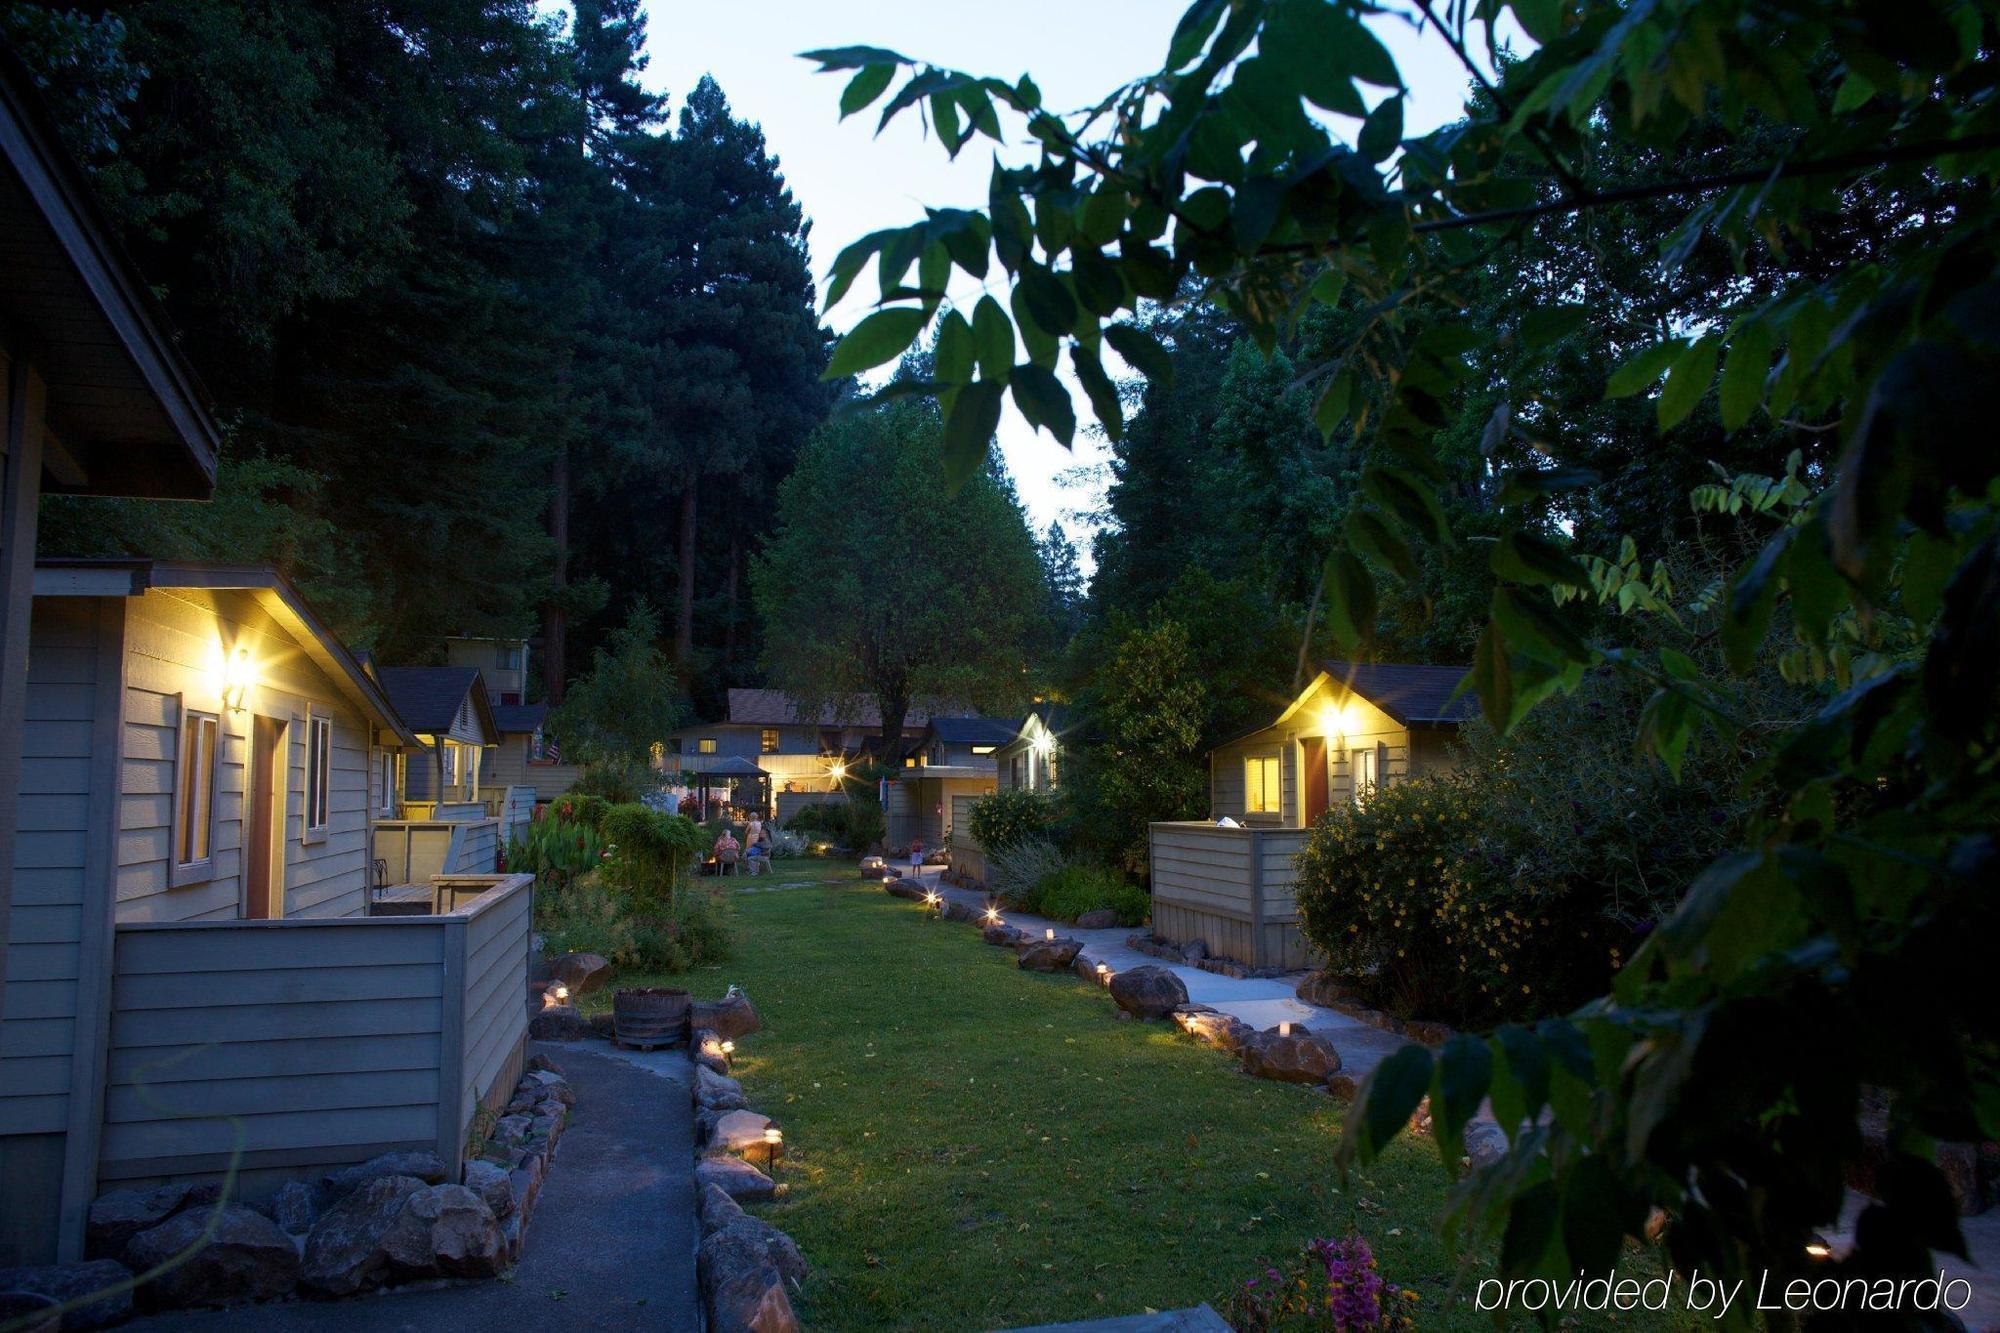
[770,708]
[519,719]
[429,697]
[1415,696]
[973,730]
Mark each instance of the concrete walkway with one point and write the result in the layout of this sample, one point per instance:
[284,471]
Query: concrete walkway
[1262,1003]
[611,1243]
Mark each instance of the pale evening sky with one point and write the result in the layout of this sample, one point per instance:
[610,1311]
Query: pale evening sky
[851,182]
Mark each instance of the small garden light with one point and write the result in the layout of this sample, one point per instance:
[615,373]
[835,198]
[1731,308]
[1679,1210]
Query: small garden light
[1104,974]
[1817,1248]
[774,1140]
[728,1049]
[993,915]
[1049,934]
[1284,1028]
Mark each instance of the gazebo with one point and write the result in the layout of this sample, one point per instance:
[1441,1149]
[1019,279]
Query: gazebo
[727,774]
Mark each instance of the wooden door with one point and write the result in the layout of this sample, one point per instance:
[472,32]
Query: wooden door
[263,814]
[1314,777]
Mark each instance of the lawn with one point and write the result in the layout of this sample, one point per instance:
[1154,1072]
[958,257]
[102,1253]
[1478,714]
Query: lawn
[970,1146]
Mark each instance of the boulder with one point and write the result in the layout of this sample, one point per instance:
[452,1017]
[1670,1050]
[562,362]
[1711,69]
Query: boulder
[954,910]
[1427,1032]
[735,1177]
[717,1209]
[1343,1087]
[719,1212]
[524,1182]
[539,1063]
[581,972]
[1002,935]
[1300,1058]
[444,1231]
[1147,991]
[717,1092]
[513,1128]
[1195,950]
[544,1085]
[489,1181]
[1098,918]
[1323,989]
[741,1287]
[297,1205]
[426,1166]
[560,1022]
[736,1130]
[344,1252]
[706,1048]
[63,1283]
[118,1215]
[1486,1143]
[732,1017]
[1223,1031]
[247,1258]
[904,888]
[1084,966]
[1049,955]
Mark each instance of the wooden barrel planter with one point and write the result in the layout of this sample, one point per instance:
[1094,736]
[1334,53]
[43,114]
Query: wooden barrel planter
[650,1016]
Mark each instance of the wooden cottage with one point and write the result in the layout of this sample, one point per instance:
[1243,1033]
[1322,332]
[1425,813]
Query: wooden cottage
[1032,757]
[1357,727]
[524,756]
[949,766]
[196,951]
[94,400]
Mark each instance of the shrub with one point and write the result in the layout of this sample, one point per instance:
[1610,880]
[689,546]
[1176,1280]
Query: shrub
[1017,874]
[555,850]
[578,807]
[649,851]
[1007,819]
[613,781]
[853,823]
[1078,888]
[635,931]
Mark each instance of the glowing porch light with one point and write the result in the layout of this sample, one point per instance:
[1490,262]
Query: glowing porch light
[235,675]
[837,772]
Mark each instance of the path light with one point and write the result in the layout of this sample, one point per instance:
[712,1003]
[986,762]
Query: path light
[1104,974]
[993,915]
[1818,1249]
[774,1139]
[1285,1028]
[1049,934]
[728,1049]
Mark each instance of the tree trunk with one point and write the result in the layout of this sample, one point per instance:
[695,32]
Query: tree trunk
[895,707]
[684,618]
[555,665]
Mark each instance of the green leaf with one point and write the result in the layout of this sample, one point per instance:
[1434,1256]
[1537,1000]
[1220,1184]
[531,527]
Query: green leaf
[1551,324]
[1350,599]
[1367,533]
[1744,372]
[954,355]
[1414,504]
[1689,379]
[1492,677]
[853,57]
[1044,402]
[1097,386]
[1330,409]
[1540,19]
[1528,483]
[1323,45]
[1328,286]
[968,431]
[883,336]
[1524,557]
[865,87]
[1049,303]
[1141,350]
[1383,129]
[1927,567]
[1465,1068]
[1390,1097]
[1666,724]
[1043,347]
[1817,587]
[1538,626]
[1192,32]
[1531,1231]
[993,340]
[1752,595]
[1638,374]
[1099,285]
[1593,1229]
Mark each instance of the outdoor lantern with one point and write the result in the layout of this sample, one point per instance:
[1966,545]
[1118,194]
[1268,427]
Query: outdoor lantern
[728,1048]
[1284,1028]
[562,994]
[1818,1249]
[236,679]
[774,1139]
[1104,974]
[992,915]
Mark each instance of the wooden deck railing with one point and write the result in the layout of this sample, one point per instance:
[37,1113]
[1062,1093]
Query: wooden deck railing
[302,1045]
[1231,887]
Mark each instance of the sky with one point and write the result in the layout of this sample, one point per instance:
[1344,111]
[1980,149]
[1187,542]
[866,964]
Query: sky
[852,182]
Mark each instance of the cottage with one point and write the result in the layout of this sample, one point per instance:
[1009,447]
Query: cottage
[525,755]
[449,709]
[94,400]
[1032,756]
[193,932]
[1357,727]
[950,765]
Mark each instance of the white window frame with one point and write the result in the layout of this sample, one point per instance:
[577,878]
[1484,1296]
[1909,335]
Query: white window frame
[448,759]
[316,811]
[1362,785]
[197,869]
[769,740]
[385,773]
[1273,792]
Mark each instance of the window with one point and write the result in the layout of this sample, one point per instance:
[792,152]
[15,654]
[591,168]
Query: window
[1367,773]
[449,754]
[1261,791]
[385,779]
[319,772]
[510,657]
[767,741]
[829,743]
[1017,771]
[706,745]
[984,749]
[194,796]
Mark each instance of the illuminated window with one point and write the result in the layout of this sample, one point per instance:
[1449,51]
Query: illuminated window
[1367,773]
[984,749]
[194,794]
[319,772]
[767,741]
[706,745]
[1261,785]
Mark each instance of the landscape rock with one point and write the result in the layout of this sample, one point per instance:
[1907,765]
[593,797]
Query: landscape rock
[741,1286]
[1323,989]
[719,1212]
[732,1017]
[444,1231]
[1343,1087]
[717,1092]
[524,1182]
[513,1128]
[1147,991]
[297,1205]
[957,911]
[1085,967]
[581,972]
[560,1022]
[246,1259]
[735,1177]
[489,1181]
[424,1165]
[546,1085]
[605,1024]
[1427,1032]
[63,1283]
[1302,1057]
[706,1048]
[118,1215]
[1485,1142]
[717,1209]
[1195,950]
[344,1252]
[1101,918]
[1002,935]
[1049,955]
[540,1063]
[736,1130]
[1222,1031]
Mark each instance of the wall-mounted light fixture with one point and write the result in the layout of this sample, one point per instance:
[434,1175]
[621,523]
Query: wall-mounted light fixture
[237,677]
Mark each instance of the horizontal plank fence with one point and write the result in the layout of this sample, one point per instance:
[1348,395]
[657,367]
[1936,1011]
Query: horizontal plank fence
[301,1045]
[1230,887]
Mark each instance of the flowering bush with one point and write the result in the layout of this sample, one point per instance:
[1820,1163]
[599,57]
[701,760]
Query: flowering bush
[1332,1284]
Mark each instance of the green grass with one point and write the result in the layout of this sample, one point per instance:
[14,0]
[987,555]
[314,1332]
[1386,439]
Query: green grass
[970,1146]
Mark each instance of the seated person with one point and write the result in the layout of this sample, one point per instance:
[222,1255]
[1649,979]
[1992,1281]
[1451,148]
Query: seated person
[726,850]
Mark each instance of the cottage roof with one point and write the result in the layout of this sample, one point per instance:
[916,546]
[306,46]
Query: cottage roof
[126,415]
[519,719]
[429,697]
[972,730]
[732,766]
[277,598]
[1415,696]
[771,708]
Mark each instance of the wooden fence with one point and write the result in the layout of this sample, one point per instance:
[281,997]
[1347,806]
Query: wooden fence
[303,1045]
[1231,887]
[413,851]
